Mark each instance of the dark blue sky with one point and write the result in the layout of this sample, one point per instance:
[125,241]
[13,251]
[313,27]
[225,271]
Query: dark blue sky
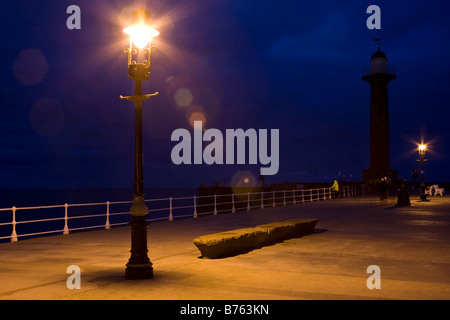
[295,66]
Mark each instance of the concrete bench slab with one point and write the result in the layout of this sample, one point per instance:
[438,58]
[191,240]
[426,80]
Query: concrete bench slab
[229,243]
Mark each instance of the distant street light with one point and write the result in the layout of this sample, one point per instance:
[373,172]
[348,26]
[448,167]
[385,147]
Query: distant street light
[422,149]
[141,34]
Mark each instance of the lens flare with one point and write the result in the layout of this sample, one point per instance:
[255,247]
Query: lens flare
[141,35]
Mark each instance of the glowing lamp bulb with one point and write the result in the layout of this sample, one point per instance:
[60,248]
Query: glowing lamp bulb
[422,147]
[141,35]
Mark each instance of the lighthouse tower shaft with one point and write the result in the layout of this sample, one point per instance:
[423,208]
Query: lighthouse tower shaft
[379,79]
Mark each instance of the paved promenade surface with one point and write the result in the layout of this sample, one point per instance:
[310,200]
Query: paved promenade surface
[411,245]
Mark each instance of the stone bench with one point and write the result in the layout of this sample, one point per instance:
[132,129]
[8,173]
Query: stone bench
[229,243]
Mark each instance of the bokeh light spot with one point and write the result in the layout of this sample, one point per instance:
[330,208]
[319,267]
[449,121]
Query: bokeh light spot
[30,67]
[183,97]
[243,181]
[197,116]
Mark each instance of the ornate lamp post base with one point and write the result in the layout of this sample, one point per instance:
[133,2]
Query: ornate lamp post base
[139,265]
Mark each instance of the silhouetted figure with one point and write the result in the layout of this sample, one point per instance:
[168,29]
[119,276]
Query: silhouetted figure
[335,188]
[403,196]
[384,189]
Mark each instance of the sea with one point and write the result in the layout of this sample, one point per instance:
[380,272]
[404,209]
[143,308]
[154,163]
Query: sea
[81,204]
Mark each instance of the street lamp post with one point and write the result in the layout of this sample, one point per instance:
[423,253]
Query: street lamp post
[139,265]
[422,150]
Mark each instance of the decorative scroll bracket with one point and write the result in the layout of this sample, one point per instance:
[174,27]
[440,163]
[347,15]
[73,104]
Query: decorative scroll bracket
[139,98]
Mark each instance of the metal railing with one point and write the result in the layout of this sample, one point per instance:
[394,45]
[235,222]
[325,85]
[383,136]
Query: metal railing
[160,209]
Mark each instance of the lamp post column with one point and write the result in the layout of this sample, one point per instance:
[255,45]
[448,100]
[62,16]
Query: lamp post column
[422,178]
[423,196]
[138,153]
[139,265]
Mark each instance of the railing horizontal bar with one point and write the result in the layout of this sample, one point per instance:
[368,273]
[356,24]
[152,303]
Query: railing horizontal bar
[118,213]
[205,213]
[181,198]
[87,216]
[89,227]
[205,205]
[87,204]
[180,207]
[157,219]
[158,209]
[40,220]
[153,200]
[118,224]
[123,202]
[182,216]
[37,233]
[40,207]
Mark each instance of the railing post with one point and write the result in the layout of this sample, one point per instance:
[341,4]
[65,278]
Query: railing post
[107,224]
[284,197]
[310,195]
[233,209]
[66,218]
[262,200]
[324,193]
[14,233]
[215,205]
[293,193]
[318,194]
[170,209]
[273,199]
[303,195]
[195,207]
[329,191]
[248,201]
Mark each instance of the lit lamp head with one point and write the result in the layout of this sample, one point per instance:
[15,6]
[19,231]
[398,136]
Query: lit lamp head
[141,35]
[422,149]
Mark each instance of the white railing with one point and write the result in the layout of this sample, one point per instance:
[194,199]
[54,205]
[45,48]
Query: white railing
[168,208]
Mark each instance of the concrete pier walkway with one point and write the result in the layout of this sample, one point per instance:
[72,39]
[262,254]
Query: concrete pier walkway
[411,246]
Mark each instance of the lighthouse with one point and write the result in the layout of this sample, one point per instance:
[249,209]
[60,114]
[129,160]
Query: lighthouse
[379,78]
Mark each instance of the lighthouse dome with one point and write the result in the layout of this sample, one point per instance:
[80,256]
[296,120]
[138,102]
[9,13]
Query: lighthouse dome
[378,63]
[379,54]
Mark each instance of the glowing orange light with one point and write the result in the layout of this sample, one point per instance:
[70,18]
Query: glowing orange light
[141,35]
[422,147]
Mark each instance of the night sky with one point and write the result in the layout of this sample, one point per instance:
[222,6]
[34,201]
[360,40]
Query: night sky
[295,66]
